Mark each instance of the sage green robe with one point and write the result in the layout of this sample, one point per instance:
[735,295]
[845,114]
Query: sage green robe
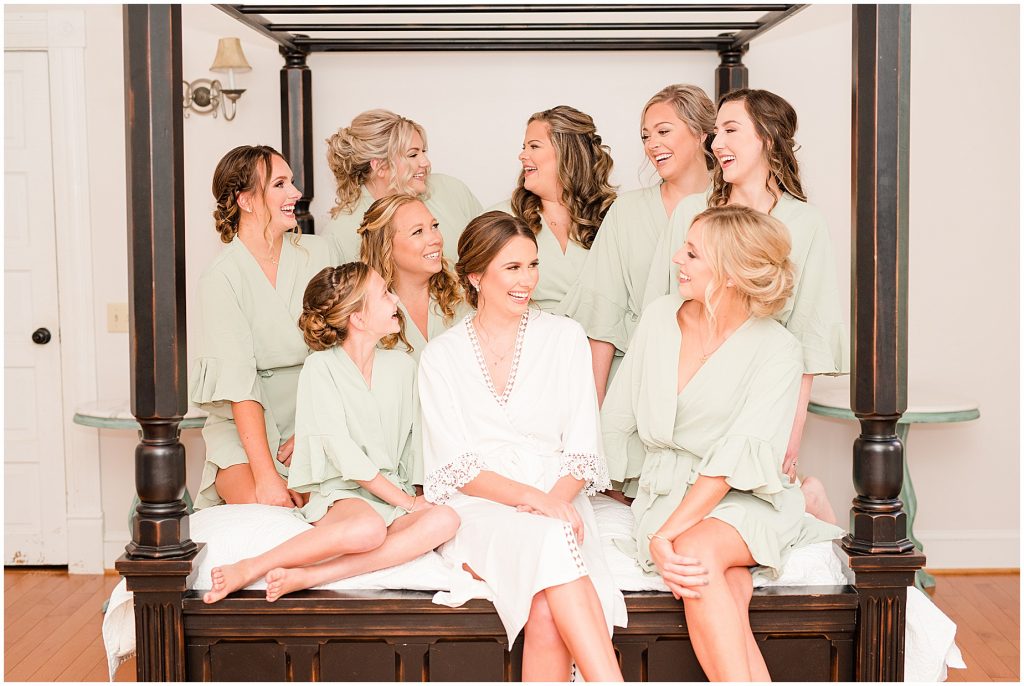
[448,199]
[813,314]
[732,419]
[558,270]
[346,431]
[251,348]
[436,325]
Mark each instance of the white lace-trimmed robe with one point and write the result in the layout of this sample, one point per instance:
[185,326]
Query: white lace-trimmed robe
[543,427]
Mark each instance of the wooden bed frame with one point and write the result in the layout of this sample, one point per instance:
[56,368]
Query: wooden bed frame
[850,632]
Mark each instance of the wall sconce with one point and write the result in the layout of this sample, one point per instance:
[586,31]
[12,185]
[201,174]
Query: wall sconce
[205,96]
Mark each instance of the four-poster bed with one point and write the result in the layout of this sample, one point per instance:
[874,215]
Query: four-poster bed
[845,632]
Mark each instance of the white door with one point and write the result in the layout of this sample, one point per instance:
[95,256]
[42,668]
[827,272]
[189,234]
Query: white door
[35,501]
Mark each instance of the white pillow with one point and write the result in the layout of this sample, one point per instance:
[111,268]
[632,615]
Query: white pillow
[234,532]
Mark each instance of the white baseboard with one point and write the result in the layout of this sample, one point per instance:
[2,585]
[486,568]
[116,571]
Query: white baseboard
[971,548]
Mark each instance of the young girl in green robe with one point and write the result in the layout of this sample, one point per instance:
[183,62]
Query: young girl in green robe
[355,453]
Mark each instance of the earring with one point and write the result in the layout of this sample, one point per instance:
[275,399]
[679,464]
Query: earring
[728,283]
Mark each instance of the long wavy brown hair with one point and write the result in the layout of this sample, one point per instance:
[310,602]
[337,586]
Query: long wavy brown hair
[377,232]
[584,165]
[775,123]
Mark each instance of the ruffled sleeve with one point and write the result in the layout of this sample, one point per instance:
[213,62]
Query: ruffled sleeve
[582,451]
[449,461]
[598,299]
[324,449]
[817,319]
[226,368]
[750,451]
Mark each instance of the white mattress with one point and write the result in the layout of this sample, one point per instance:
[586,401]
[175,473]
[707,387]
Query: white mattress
[233,532]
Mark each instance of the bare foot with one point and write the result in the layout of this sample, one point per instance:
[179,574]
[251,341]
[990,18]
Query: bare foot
[228,579]
[284,580]
[816,500]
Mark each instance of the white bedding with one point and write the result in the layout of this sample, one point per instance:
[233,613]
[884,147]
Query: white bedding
[232,532]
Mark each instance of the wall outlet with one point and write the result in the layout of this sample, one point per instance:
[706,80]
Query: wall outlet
[117,317]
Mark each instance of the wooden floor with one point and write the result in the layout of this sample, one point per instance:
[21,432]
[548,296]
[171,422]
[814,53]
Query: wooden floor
[52,625]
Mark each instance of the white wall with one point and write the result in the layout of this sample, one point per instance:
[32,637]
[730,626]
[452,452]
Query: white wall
[474,108]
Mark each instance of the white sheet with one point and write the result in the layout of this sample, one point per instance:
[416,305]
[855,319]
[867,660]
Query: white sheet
[232,532]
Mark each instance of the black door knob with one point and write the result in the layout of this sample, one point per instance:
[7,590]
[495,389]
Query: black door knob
[41,336]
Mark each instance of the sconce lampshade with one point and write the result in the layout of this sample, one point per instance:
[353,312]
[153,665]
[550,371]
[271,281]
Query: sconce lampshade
[230,56]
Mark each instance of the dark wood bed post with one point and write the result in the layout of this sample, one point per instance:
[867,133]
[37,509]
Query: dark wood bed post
[879,553]
[160,559]
[731,74]
[297,128]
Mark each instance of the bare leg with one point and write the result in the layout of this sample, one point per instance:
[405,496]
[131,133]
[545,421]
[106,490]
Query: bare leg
[718,635]
[545,657]
[350,526]
[408,537]
[742,588]
[618,495]
[236,485]
[816,500]
[576,610]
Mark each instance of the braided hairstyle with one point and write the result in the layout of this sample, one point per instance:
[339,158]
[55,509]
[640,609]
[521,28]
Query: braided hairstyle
[775,123]
[377,134]
[244,169]
[584,165]
[330,299]
[378,233]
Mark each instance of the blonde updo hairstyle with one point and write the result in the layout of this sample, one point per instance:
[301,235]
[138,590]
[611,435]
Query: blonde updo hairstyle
[377,134]
[775,123]
[330,299]
[245,169]
[693,107]
[377,231]
[750,249]
[483,238]
[584,165]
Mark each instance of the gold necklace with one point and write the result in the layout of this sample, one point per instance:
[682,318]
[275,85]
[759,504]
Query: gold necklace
[700,341]
[501,358]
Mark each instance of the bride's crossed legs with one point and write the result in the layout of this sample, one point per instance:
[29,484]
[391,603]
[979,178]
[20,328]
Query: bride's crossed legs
[350,529]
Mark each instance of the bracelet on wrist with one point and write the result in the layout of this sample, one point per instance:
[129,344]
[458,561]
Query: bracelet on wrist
[651,537]
[412,506]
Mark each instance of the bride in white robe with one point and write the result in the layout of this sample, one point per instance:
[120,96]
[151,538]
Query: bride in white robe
[510,440]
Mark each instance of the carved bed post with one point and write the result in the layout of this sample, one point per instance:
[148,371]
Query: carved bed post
[731,74]
[880,555]
[159,560]
[297,128]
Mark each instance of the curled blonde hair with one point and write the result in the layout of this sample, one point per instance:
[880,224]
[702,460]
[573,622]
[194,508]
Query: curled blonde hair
[775,123]
[584,165]
[483,238]
[377,134]
[693,107]
[751,249]
[377,231]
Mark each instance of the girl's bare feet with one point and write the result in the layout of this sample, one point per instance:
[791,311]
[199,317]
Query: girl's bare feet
[282,580]
[228,579]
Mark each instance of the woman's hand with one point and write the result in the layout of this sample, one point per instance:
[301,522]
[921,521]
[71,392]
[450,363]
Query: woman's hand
[551,506]
[273,490]
[678,572]
[284,453]
[420,504]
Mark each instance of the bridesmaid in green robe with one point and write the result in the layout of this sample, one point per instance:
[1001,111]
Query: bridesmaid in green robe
[562,194]
[700,411]
[607,297]
[355,447]
[251,352]
[402,242]
[381,153]
[757,167]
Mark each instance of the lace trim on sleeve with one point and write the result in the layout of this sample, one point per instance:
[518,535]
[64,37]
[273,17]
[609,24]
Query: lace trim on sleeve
[588,467]
[441,484]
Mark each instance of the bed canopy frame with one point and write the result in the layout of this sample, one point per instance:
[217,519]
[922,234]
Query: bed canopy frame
[850,632]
